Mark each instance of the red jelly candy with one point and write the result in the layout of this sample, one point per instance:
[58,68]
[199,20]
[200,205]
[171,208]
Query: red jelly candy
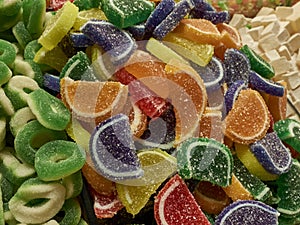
[175,205]
[56,4]
[151,104]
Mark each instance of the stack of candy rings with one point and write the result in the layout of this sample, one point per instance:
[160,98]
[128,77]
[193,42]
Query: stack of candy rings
[140,112]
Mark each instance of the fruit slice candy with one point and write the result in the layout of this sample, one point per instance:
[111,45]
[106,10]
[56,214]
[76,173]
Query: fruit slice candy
[112,150]
[127,13]
[288,131]
[117,43]
[206,160]
[289,191]
[272,154]
[247,213]
[175,205]
[236,66]
[248,120]
[232,93]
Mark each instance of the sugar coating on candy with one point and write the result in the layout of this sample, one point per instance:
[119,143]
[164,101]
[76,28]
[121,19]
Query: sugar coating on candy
[180,10]
[5,73]
[124,13]
[212,74]
[236,65]
[79,40]
[289,191]
[112,149]
[264,85]
[232,93]
[72,211]
[272,154]
[52,82]
[117,43]
[73,184]
[246,212]
[174,204]
[206,160]
[161,11]
[137,31]
[8,52]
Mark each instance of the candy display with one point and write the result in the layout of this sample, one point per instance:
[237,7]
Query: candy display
[148,112]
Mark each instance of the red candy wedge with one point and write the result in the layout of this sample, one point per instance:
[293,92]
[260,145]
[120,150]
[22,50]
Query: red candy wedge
[56,4]
[175,205]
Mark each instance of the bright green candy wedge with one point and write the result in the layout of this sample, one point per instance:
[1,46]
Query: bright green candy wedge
[289,191]
[49,110]
[255,186]
[125,13]
[200,54]
[205,159]
[258,64]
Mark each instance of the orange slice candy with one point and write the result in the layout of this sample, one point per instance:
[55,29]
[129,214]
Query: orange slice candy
[248,120]
[93,101]
[211,198]
[198,30]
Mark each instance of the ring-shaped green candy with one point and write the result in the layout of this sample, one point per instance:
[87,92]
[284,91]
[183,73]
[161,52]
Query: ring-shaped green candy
[5,73]
[72,211]
[58,159]
[73,184]
[19,119]
[32,136]
[9,21]
[6,106]
[8,189]
[37,201]
[49,110]
[13,169]
[2,132]
[10,7]
[7,52]
[31,49]
[21,34]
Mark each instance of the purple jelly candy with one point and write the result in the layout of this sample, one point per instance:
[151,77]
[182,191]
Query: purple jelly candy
[233,92]
[212,16]
[202,5]
[180,10]
[112,149]
[212,74]
[272,154]
[137,31]
[248,212]
[265,85]
[79,40]
[162,10]
[116,42]
[52,82]
[237,66]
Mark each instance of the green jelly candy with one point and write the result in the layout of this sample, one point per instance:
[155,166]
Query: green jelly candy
[32,136]
[21,34]
[58,159]
[205,159]
[255,186]
[2,132]
[8,52]
[31,49]
[82,222]
[83,4]
[37,201]
[10,7]
[288,130]
[73,184]
[257,63]
[13,169]
[49,110]
[19,119]
[9,21]
[7,188]
[289,221]
[17,90]
[6,106]
[125,13]
[289,191]
[72,212]
[5,73]
[2,220]
[34,12]
[78,68]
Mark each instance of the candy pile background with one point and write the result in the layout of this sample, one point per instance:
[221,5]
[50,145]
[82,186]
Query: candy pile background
[149,112]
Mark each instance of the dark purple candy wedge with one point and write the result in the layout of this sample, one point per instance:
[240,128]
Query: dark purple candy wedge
[237,66]
[248,212]
[180,10]
[202,5]
[233,92]
[212,74]
[112,149]
[51,82]
[272,154]
[137,31]
[213,16]
[116,42]
[162,10]
[80,40]
[265,85]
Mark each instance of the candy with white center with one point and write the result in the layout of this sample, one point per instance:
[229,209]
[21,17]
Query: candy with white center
[232,93]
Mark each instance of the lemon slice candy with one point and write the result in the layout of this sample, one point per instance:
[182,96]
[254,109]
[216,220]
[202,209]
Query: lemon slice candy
[58,26]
